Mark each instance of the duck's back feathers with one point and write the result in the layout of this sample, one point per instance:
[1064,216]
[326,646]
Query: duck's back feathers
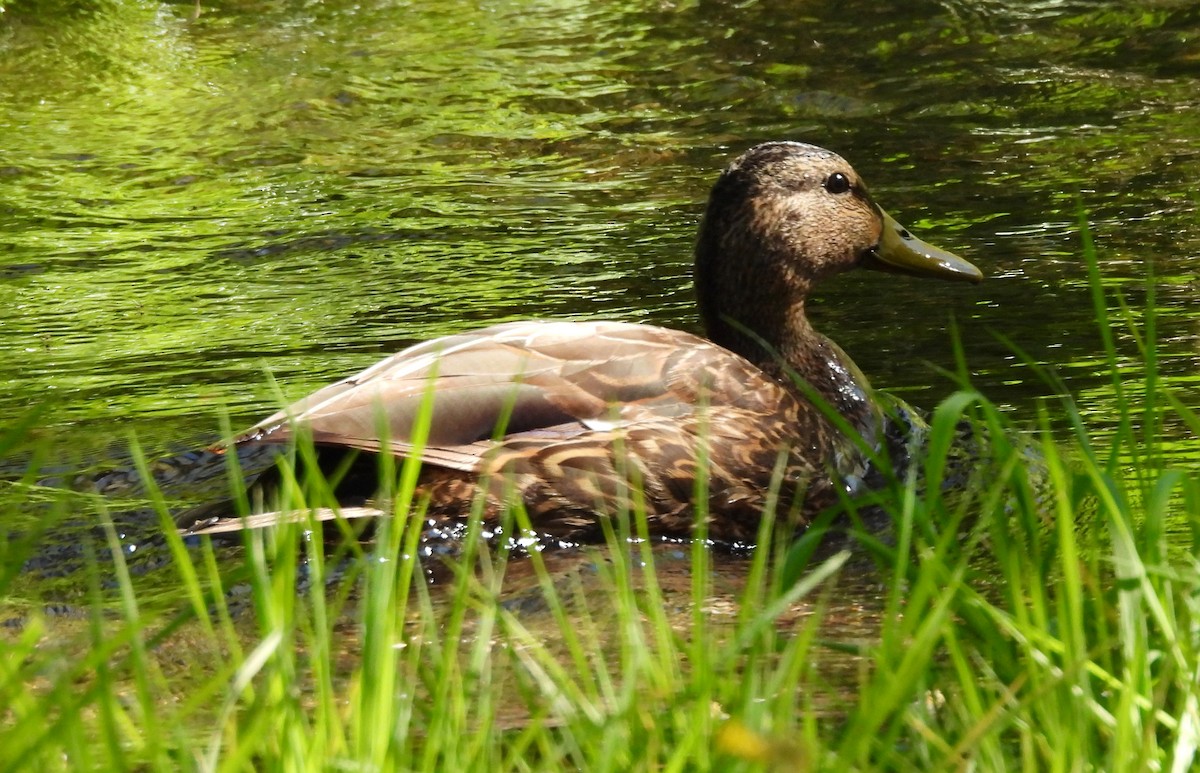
[520,379]
[568,413]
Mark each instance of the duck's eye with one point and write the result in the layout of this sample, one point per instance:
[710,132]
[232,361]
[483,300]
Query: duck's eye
[837,183]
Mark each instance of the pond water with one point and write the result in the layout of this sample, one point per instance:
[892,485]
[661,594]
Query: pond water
[204,205]
[190,202]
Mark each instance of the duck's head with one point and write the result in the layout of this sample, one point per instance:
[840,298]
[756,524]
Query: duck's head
[782,217]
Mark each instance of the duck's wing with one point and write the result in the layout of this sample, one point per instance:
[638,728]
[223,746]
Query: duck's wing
[564,416]
[537,381]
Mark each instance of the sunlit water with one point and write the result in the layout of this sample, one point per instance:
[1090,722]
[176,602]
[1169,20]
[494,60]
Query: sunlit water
[199,210]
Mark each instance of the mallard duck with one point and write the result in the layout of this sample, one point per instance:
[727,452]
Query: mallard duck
[568,417]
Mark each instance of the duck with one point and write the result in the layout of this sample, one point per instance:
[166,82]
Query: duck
[577,421]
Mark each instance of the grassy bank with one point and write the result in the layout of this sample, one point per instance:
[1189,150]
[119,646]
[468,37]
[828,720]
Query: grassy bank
[1044,621]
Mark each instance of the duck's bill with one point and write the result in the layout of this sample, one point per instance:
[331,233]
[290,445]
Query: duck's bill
[901,252]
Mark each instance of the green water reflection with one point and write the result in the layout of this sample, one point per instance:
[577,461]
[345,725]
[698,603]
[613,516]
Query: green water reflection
[188,201]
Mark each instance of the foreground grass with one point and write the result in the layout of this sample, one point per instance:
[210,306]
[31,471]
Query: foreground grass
[1049,619]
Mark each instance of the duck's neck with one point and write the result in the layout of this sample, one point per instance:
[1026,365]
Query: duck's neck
[800,352]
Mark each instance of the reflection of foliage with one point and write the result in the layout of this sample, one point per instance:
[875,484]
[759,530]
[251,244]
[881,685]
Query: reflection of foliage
[56,11]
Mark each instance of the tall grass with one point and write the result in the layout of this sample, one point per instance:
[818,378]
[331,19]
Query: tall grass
[1047,619]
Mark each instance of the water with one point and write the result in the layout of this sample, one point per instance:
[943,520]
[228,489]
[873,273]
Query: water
[202,207]
[192,202]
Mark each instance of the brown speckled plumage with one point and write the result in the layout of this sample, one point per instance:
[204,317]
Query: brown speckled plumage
[594,413]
